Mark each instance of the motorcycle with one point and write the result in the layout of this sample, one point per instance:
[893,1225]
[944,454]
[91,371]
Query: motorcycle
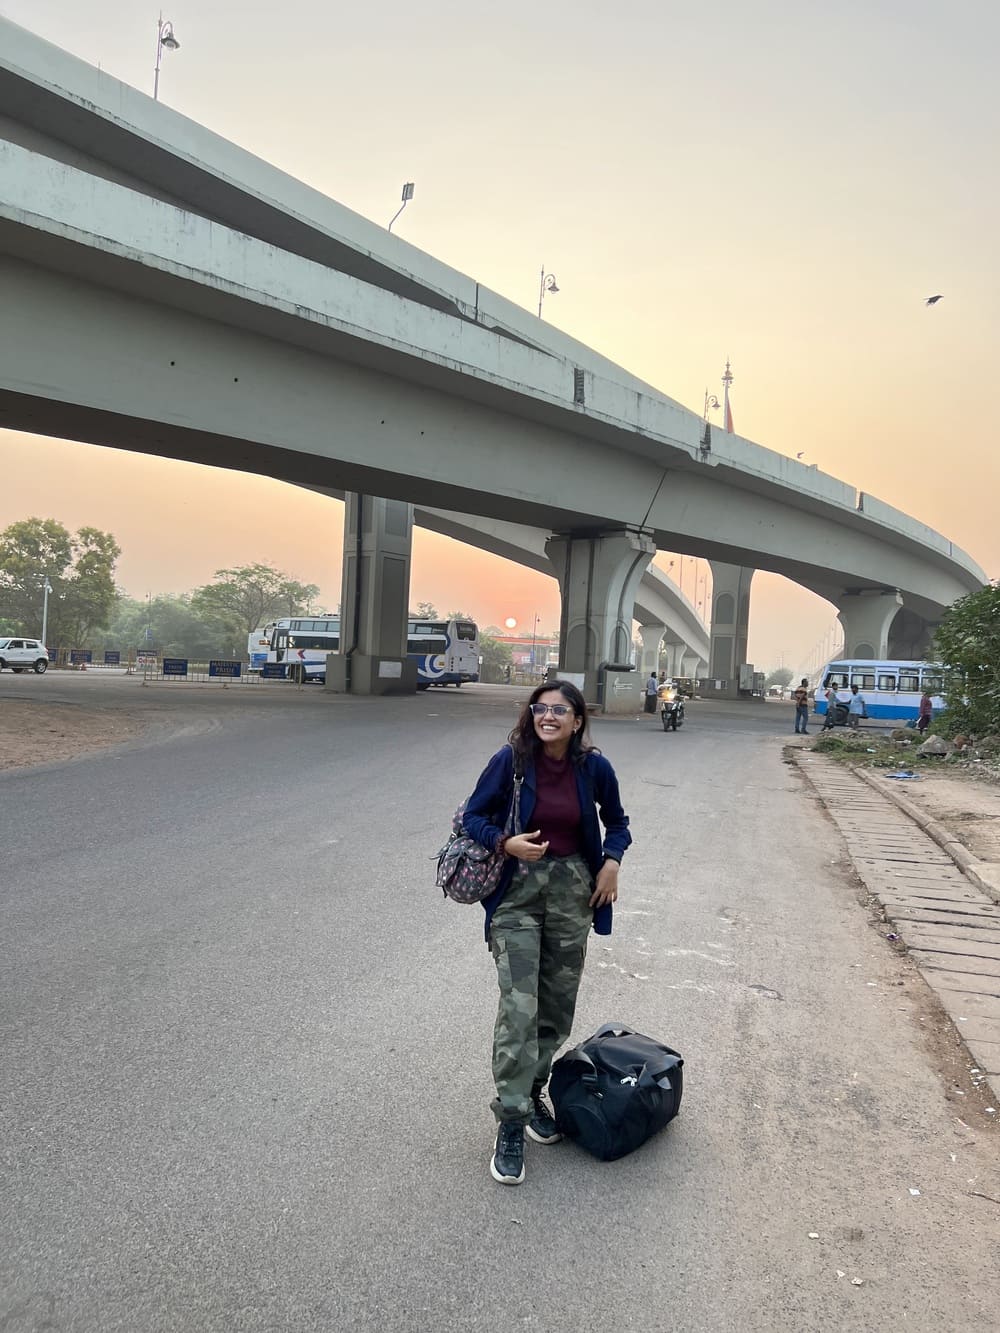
[836,716]
[671,707]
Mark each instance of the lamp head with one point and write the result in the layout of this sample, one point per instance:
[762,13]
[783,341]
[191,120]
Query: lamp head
[407,192]
[168,39]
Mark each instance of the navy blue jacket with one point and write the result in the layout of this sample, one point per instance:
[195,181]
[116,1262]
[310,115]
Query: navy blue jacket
[597,788]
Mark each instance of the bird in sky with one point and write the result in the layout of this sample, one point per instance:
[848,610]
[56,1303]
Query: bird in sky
[931,300]
[801,454]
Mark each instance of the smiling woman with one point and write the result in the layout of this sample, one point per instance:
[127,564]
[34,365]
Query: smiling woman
[559,882]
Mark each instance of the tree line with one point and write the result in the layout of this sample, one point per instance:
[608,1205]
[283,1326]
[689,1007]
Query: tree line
[86,609]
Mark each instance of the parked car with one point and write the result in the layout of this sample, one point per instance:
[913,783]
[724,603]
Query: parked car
[24,655]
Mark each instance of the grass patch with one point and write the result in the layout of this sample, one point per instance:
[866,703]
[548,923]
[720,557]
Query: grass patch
[899,752]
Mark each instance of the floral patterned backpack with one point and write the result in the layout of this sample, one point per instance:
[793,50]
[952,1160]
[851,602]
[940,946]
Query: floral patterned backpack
[467,871]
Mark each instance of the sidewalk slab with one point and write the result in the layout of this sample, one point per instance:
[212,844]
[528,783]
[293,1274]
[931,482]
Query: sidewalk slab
[969,983]
[969,1004]
[936,903]
[985,1031]
[948,962]
[928,887]
[986,1055]
[919,936]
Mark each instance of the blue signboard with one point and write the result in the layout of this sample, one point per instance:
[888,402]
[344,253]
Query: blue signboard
[175,666]
[53,654]
[78,655]
[112,659]
[273,671]
[228,669]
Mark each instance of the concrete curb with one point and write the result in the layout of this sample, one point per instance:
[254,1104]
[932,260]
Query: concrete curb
[945,839]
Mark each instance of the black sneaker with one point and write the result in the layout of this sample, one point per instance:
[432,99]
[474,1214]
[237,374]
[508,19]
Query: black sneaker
[542,1125]
[507,1164]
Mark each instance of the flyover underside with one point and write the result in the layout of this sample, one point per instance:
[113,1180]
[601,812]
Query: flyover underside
[96,364]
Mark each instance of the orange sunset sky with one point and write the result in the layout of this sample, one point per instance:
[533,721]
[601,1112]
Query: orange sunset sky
[782,183]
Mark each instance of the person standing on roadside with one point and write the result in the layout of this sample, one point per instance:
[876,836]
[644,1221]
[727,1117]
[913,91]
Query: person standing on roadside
[925,712]
[801,696]
[855,709]
[832,700]
[651,688]
[559,882]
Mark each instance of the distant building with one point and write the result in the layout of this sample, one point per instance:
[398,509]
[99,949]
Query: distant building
[531,653]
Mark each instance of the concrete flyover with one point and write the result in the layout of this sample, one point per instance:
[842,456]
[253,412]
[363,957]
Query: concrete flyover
[666,616]
[167,292]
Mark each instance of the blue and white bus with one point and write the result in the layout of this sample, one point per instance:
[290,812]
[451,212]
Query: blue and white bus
[891,690]
[300,644]
[446,651]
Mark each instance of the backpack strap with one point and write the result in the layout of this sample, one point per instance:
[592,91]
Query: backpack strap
[514,818]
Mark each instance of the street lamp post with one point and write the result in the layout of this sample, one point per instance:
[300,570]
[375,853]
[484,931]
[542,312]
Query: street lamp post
[406,196]
[164,38]
[546,283]
[46,589]
[534,636]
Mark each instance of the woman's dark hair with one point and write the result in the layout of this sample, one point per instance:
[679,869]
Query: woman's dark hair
[524,738]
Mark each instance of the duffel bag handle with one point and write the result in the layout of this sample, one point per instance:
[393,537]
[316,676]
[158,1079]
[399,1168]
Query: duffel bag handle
[620,1030]
[589,1077]
[614,1030]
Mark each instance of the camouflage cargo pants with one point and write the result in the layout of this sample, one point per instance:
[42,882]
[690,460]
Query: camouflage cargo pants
[539,941]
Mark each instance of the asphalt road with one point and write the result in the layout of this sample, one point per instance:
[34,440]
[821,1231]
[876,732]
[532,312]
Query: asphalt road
[245,1047]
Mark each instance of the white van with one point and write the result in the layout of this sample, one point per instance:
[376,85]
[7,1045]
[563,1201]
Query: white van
[23,655]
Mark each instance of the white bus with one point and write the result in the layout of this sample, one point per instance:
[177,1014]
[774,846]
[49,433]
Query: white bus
[446,651]
[300,644]
[258,643]
[891,690]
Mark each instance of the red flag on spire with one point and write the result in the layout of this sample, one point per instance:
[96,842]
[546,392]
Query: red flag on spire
[729,417]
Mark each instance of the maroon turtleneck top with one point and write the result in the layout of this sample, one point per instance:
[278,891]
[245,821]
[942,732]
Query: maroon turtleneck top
[557,805]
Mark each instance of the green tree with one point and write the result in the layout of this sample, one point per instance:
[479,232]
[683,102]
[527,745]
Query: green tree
[241,599]
[967,644]
[781,676]
[424,611]
[80,568]
[175,630]
[496,660]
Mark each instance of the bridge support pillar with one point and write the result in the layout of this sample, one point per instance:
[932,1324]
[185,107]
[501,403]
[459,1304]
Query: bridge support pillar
[866,615]
[670,656]
[694,666]
[730,628]
[652,638]
[375,593]
[911,636]
[598,576]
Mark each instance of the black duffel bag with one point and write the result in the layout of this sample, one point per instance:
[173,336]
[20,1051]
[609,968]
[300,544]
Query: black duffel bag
[616,1089]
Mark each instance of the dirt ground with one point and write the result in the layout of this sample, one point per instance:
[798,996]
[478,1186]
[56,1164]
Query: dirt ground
[47,731]
[967,806]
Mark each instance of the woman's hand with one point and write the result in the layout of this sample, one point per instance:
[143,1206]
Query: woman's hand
[606,888]
[526,847]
